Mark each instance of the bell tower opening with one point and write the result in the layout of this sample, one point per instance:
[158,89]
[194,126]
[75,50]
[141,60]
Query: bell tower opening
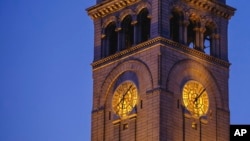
[127,33]
[143,26]
[110,41]
[160,70]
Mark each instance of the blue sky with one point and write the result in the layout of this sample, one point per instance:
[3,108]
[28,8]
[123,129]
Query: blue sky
[46,48]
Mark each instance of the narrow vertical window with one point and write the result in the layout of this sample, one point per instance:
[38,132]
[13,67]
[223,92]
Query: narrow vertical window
[209,45]
[109,115]
[143,32]
[141,104]
[178,103]
[174,27]
[110,46]
[191,34]
[128,32]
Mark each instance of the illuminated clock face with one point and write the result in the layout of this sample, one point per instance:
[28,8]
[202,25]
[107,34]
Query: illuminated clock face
[125,98]
[195,98]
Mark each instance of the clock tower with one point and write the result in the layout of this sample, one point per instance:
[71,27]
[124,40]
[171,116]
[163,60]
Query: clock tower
[160,70]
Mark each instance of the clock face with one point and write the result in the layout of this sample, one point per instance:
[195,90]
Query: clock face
[125,98]
[195,98]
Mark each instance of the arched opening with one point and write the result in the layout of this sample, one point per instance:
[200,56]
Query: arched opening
[110,45]
[209,39]
[127,33]
[143,26]
[191,34]
[175,26]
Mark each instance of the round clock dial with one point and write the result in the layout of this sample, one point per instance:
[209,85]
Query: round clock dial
[124,98]
[195,98]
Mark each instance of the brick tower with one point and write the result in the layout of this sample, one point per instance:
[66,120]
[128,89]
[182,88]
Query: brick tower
[160,70]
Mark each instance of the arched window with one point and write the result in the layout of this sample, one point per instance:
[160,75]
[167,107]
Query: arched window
[110,43]
[175,22]
[143,26]
[127,33]
[209,40]
[191,34]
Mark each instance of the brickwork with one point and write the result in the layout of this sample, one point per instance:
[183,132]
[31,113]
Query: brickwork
[97,41]
[223,39]
[155,18]
[144,65]
[160,71]
[165,15]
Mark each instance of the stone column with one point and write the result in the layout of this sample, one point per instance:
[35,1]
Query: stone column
[149,17]
[212,45]
[181,35]
[103,44]
[119,38]
[217,45]
[134,24]
[197,38]
[201,43]
[185,24]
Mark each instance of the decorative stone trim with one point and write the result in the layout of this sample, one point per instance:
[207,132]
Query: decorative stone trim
[108,7]
[141,6]
[133,65]
[214,7]
[160,40]
[125,13]
[109,20]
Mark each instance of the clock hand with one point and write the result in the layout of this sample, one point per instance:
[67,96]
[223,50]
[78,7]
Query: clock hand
[126,91]
[195,100]
[123,97]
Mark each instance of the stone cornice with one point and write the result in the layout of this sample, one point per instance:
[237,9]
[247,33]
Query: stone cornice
[164,41]
[108,7]
[214,7]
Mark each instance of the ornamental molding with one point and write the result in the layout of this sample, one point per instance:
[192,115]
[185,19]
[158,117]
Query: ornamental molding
[125,13]
[141,6]
[217,8]
[109,20]
[166,43]
[108,7]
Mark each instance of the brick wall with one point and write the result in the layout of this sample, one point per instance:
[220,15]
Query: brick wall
[161,70]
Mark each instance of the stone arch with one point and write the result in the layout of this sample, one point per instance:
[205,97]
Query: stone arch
[143,26]
[109,43]
[127,32]
[177,8]
[125,13]
[176,24]
[210,22]
[194,17]
[143,5]
[194,30]
[210,35]
[187,69]
[109,20]
[177,5]
[193,14]
[134,65]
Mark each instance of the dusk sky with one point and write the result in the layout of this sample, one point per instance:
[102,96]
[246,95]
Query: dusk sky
[46,48]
